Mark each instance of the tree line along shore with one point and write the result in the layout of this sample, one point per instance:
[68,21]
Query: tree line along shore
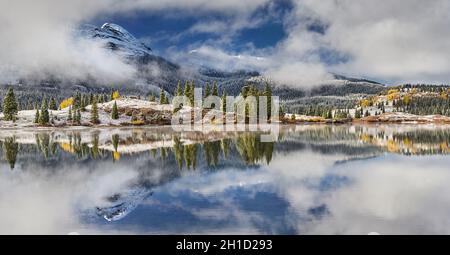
[421,104]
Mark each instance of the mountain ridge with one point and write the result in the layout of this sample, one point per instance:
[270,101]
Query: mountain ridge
[118,40]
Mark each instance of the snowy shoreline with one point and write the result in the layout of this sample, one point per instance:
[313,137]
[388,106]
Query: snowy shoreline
[159,115]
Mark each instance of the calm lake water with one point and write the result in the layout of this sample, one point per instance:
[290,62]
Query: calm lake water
[389,179]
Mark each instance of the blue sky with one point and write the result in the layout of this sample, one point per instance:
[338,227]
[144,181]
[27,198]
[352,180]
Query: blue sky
[164,29]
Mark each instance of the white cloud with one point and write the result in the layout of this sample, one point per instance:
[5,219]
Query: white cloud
[36,202]
[37,36]
[396,40]
[224,60]
[299,74]
[405,40]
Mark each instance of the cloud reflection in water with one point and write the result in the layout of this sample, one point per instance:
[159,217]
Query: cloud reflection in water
[319,180]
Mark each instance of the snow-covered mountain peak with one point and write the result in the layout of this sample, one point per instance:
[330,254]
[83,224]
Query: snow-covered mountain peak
[117,30]
[117,39]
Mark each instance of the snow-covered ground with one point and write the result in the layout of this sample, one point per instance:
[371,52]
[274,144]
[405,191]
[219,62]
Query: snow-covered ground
[401,117]
[26,118]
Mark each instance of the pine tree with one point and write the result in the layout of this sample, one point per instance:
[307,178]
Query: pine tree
[162,96]
[207,90]
[10,106]
[330,114]
[70,118]
[186,89]
[166,99]
[192,93]
[152,98]
[179,91]
[53,105]
[268,94]
[215,89]
[281,112]
[357,114]
[44,118]
[83,103]
[77,101]
[36,118]
[94,112]
[86,101]
[115,112]
[78,117]
[224,101]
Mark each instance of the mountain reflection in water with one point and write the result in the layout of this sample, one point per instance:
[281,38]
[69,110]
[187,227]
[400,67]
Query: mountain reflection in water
[155,180]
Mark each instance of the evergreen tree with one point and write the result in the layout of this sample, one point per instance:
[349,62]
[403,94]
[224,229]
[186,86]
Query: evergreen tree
[77,101]
[11,148]
[94,112]
[83,103]
[186,89]
[357,114]
[162,97]
[207,90]
[115,112]
[78,117]
[192,93]
[281,112]
[330,114]
[215,89]
[10,106]
[86,101]
[70,117]
[224,101]
[37,117]
[151,98]
[268,93]
[166,99]
[44,117]
[179,91]
[53,105]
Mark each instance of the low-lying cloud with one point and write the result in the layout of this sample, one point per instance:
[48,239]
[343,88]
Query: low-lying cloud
[38,37]
[396,41]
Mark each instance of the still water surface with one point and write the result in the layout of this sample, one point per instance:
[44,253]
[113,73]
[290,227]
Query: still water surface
[390,179]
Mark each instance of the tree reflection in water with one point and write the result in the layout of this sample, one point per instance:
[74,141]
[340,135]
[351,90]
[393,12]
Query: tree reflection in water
[189,150]
[11,148]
